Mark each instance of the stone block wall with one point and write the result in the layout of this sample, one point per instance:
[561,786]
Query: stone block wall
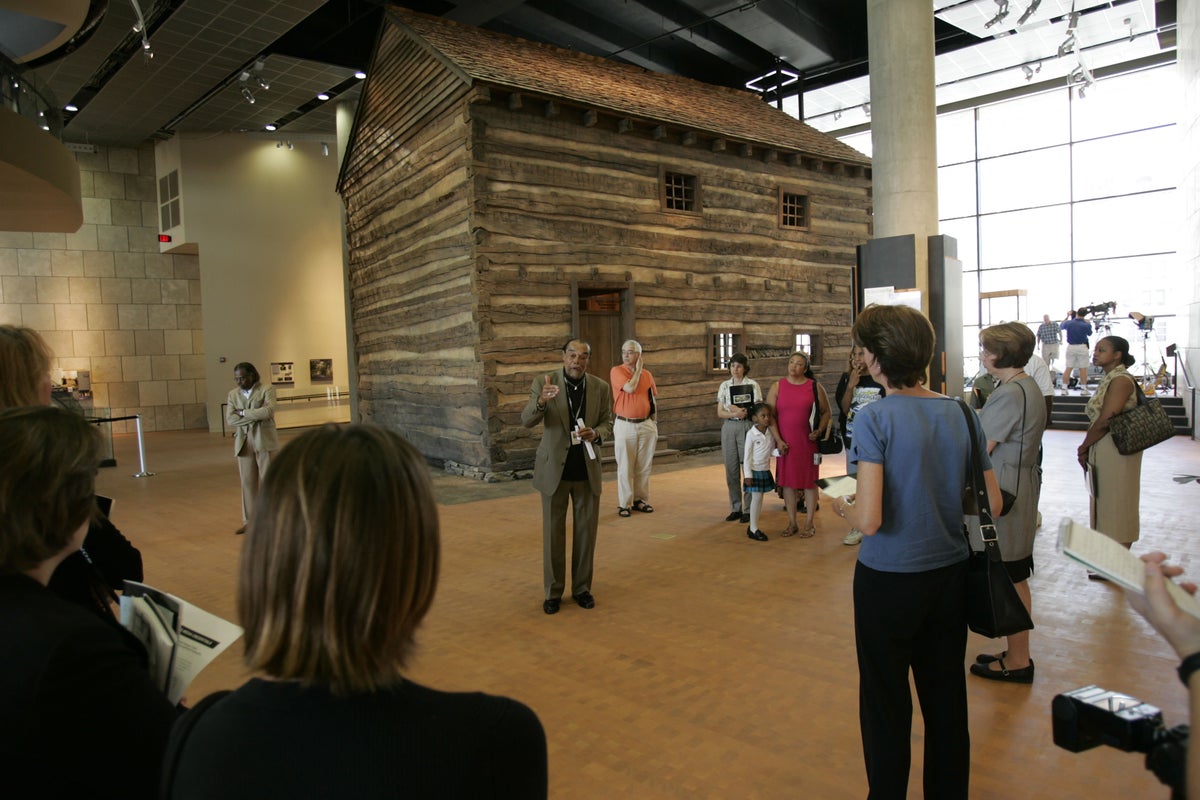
[107,301]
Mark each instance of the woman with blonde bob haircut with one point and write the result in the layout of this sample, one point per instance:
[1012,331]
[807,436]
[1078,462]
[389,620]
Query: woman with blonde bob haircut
[339,568]
[24,367]
[912,449]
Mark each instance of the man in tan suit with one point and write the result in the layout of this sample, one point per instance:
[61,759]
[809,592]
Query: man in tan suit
[250,410]
[564,469]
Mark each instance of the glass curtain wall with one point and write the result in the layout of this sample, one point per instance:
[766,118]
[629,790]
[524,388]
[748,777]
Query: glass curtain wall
[1072,200]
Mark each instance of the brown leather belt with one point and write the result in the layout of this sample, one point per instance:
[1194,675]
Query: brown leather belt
[627,419]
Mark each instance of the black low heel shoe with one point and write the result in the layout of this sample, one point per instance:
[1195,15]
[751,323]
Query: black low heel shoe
[1023,675]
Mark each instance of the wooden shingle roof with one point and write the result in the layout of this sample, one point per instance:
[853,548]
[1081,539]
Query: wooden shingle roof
[520,65]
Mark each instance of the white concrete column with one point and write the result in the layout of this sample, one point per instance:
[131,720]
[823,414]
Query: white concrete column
[903,125]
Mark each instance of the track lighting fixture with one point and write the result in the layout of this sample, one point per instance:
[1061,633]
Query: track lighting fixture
[867,109]
[1029,12]
[325,149]
[248,95]
[270,126]
[1001,13]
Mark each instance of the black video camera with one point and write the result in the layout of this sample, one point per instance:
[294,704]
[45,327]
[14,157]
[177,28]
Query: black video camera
[1091,716]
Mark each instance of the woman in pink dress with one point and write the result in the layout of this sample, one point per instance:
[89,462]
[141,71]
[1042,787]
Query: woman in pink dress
[793,399]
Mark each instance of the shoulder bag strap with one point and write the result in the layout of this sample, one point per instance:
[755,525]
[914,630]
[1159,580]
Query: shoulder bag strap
[987,527]
[183,728]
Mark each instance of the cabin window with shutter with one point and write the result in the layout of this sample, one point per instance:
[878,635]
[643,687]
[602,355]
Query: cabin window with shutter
[793,209]
[723,341]
[680,192]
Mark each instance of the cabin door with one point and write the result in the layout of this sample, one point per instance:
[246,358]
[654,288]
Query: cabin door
[600,325]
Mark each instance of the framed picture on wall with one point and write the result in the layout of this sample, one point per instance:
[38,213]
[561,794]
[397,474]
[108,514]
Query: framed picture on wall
[282,373]
[320,370]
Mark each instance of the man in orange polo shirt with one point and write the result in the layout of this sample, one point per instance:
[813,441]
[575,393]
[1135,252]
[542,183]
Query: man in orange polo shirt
[635,429]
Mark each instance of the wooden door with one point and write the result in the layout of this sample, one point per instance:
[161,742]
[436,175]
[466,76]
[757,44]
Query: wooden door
[600,326]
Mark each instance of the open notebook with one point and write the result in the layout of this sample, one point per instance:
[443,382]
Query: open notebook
[1101,554]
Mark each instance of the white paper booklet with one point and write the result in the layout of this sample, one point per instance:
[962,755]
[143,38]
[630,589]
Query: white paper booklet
[838,485]
[180,638]
[1101,554]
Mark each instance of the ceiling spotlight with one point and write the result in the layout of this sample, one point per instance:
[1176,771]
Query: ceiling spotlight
[1001,13]
[1028,70]
[323,96]
[867,109]
[360,75]
[290,146]
[246,93]
[271,126]
[71,107]
[324,148]
[837,115]
[1068,44]
[1029,12]
[262,84]
[279,144]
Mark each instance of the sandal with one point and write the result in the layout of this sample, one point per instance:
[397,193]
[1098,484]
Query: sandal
[622,512]
[643,506]
[808,532]
[790,530]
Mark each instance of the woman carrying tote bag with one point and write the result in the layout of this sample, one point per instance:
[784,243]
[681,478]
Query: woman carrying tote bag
[1116,480]
[912,449]
[1014,420]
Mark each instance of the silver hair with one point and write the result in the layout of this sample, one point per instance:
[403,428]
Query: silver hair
[632,344]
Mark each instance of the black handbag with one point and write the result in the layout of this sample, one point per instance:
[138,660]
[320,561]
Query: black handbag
[994,608]
[1142,426]
[831,443]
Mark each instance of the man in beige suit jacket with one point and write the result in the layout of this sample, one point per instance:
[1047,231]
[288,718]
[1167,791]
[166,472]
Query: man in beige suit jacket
[564,471]
[250,411]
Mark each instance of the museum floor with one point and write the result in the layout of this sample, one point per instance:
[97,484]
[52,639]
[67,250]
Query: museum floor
[712,666]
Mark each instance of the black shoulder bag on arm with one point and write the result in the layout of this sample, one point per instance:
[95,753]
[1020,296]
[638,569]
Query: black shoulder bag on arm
[993,606]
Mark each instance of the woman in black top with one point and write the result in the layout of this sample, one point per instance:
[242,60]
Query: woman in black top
[339,568]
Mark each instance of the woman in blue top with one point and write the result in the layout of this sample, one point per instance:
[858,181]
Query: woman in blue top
[913,450]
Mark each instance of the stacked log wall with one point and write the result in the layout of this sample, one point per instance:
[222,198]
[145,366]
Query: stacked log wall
[561,196]
[407,192]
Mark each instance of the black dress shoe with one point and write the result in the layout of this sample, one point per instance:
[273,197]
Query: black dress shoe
[240,531]
[551,605]
[744,518]
[734,516]
[585,600]
[757,536]
[1023,675]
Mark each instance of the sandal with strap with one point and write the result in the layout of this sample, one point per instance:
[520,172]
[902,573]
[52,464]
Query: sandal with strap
[643,506]
[790,530]
[622,512]
[808,532]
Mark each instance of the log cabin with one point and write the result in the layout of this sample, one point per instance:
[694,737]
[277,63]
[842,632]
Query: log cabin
[503,196]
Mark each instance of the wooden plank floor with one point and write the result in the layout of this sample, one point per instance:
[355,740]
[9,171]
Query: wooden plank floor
[712,666]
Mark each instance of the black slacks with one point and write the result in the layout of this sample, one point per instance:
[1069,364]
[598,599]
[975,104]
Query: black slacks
[914,621]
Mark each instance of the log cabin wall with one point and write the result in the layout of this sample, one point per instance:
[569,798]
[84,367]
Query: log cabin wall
[406,187]
[565,194]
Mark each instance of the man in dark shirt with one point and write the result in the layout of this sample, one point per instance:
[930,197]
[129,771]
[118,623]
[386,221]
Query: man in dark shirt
[1078,353]
[576,410]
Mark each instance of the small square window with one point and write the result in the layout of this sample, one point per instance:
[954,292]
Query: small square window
[793,209]
[723,342]
[680,192]
[810,343]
